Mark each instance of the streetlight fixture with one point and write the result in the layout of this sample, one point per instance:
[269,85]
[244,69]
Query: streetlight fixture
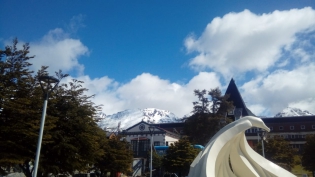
[151,128]
[262,134]
[47,90]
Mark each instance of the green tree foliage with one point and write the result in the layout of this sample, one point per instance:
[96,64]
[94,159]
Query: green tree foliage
[156,161]
[202,105]
[179,156]
[220,106]
[19,102]
[71,139]
[75,134]
[117,158]
[278,151]
[308,157]
[208,116]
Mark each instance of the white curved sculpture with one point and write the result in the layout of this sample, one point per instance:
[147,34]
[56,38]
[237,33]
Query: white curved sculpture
[229,148]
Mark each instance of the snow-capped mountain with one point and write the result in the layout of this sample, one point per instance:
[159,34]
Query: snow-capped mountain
[287,112]
[129,117]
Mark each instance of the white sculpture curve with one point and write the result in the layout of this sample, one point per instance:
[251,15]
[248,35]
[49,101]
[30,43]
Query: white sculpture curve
[229,148]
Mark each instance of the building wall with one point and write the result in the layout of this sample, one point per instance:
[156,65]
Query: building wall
[139,136]
[292,129]
[170,140]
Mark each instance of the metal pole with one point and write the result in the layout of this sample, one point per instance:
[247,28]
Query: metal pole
[262,135]
[40,137]
[151,155]
[262,144]
[138,146]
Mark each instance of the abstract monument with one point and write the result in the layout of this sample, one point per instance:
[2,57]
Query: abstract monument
[228,154]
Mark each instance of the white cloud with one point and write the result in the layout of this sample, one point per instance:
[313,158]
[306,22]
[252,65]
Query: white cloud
[146,91]
[283,88]
[105,91]
[274,49]
[306,104]
[58,51]
[244,41]
[231,45]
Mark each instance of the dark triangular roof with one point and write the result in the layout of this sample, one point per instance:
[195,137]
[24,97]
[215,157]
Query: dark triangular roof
[237,99]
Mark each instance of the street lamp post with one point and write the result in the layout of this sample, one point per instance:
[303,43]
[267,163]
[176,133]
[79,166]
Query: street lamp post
[47,90]
[262,135]
[151,128]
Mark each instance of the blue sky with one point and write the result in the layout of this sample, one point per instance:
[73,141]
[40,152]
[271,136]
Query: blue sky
[139,54]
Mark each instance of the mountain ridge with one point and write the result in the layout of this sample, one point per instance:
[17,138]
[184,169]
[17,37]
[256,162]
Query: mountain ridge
[291,112]
[129,117]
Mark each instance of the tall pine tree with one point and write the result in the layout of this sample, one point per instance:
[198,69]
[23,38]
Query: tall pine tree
[208,115]
[179,156]
[117,158]
[71,138]
[19,106]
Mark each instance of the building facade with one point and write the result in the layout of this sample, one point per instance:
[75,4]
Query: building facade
[292,129]
[139,136]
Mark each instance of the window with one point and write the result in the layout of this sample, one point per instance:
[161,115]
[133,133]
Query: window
[291,127]
[140,147]
[231,112]
[302,127]
[156,143]
[280,127]
[166,143]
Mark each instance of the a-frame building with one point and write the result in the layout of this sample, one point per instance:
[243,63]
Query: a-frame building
[240,109]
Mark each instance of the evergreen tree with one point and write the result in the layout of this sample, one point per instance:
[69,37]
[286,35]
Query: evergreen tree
[278,151]
[308,157]
[156,161]
[19,104]
[75,134]
[179,156]
[220,106]
[71,137]
[117,157]
[209,116]
[201,106]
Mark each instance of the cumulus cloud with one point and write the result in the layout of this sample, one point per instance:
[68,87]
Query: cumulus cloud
[271,55]
[58,51]
[277,46]
[244,41]
[282,88]
[105,91]
[147,91]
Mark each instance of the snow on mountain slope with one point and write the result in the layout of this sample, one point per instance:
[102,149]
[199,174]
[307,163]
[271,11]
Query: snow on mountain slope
[287,112]
[130,117]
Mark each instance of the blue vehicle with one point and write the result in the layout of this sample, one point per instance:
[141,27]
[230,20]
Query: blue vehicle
[161,150]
